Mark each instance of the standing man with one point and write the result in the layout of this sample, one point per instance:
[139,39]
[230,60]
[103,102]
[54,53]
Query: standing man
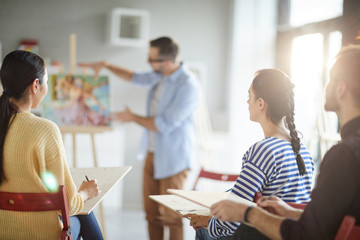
[337,191]
[169,129]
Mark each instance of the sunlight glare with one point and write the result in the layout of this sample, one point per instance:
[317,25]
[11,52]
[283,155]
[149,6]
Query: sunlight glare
[50,181]
[320,10]
[306,72]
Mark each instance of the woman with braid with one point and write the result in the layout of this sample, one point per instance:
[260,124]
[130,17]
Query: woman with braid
[267,164]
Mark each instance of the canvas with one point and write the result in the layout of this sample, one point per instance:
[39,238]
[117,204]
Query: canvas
[77,100]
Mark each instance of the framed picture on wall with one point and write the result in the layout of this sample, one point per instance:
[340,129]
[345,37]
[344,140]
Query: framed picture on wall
[128,27]
[77,100]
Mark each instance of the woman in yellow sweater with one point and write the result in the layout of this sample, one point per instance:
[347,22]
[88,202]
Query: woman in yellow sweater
[32,152]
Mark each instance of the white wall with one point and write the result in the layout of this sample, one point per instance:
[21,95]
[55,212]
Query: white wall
[200,26]
[233,38]
[252,48]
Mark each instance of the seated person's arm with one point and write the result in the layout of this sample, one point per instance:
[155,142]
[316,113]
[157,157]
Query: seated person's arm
[278,207]
[265,222]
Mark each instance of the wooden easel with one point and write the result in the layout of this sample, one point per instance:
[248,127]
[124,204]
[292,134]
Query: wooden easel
[73,130]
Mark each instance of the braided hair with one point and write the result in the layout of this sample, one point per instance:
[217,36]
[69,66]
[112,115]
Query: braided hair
[275,87]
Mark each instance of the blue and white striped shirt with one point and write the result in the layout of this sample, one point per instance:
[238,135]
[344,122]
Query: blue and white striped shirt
[266,165]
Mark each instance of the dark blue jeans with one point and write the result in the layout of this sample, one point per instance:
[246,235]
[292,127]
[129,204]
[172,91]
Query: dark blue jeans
[242,233]
[203,234]
[248,233]
[85,226]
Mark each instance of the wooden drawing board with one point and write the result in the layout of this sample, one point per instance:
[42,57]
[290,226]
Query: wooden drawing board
[181,205]
[107,178]
[85,129]
[196,202]
[207,199]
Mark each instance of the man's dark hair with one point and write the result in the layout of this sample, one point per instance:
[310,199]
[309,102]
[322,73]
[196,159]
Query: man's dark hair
[168,49]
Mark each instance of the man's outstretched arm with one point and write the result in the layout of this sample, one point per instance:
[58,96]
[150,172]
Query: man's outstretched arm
[117,70]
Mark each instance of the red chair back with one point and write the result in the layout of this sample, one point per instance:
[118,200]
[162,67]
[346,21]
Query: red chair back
[297,205]
[215,176]
[348,230]
[33,202]
[257,196]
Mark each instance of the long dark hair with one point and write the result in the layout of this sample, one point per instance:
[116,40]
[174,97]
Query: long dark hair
[275,87]
[18,71]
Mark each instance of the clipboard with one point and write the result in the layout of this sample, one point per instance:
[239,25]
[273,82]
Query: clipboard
[181,205]
[195,202]
[207,199]
[106,178]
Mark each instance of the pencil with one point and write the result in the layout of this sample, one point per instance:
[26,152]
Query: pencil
[87,178]
[283,184]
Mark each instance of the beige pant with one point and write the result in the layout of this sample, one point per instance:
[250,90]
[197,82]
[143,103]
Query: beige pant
[157,215]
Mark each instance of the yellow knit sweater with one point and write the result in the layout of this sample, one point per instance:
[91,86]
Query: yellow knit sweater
[32,147]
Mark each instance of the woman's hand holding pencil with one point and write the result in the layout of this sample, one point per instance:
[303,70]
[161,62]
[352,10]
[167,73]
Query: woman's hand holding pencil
[89,188]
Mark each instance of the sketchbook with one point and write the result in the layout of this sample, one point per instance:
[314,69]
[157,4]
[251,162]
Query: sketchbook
[204,200]
[207,199]
[195,202]
[106,178]
[181,205]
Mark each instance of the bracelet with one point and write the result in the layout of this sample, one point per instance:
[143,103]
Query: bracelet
[247,213]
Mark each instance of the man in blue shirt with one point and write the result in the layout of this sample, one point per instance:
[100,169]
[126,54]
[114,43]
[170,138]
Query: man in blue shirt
[169,129]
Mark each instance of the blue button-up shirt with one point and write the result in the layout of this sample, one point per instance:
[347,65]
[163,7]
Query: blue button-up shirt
[174,139]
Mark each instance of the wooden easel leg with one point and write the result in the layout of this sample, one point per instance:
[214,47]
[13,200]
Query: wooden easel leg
[93,149]
[101,211]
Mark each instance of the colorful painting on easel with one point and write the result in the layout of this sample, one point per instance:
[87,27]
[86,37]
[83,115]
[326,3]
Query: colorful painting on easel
[77,100]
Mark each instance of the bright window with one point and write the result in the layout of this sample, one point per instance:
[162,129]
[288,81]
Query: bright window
[306,73]
[309,58]
[307,11]
[335,39]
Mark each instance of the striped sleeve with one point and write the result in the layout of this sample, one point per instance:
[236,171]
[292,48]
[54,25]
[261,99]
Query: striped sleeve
[266,166]
[257,161]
